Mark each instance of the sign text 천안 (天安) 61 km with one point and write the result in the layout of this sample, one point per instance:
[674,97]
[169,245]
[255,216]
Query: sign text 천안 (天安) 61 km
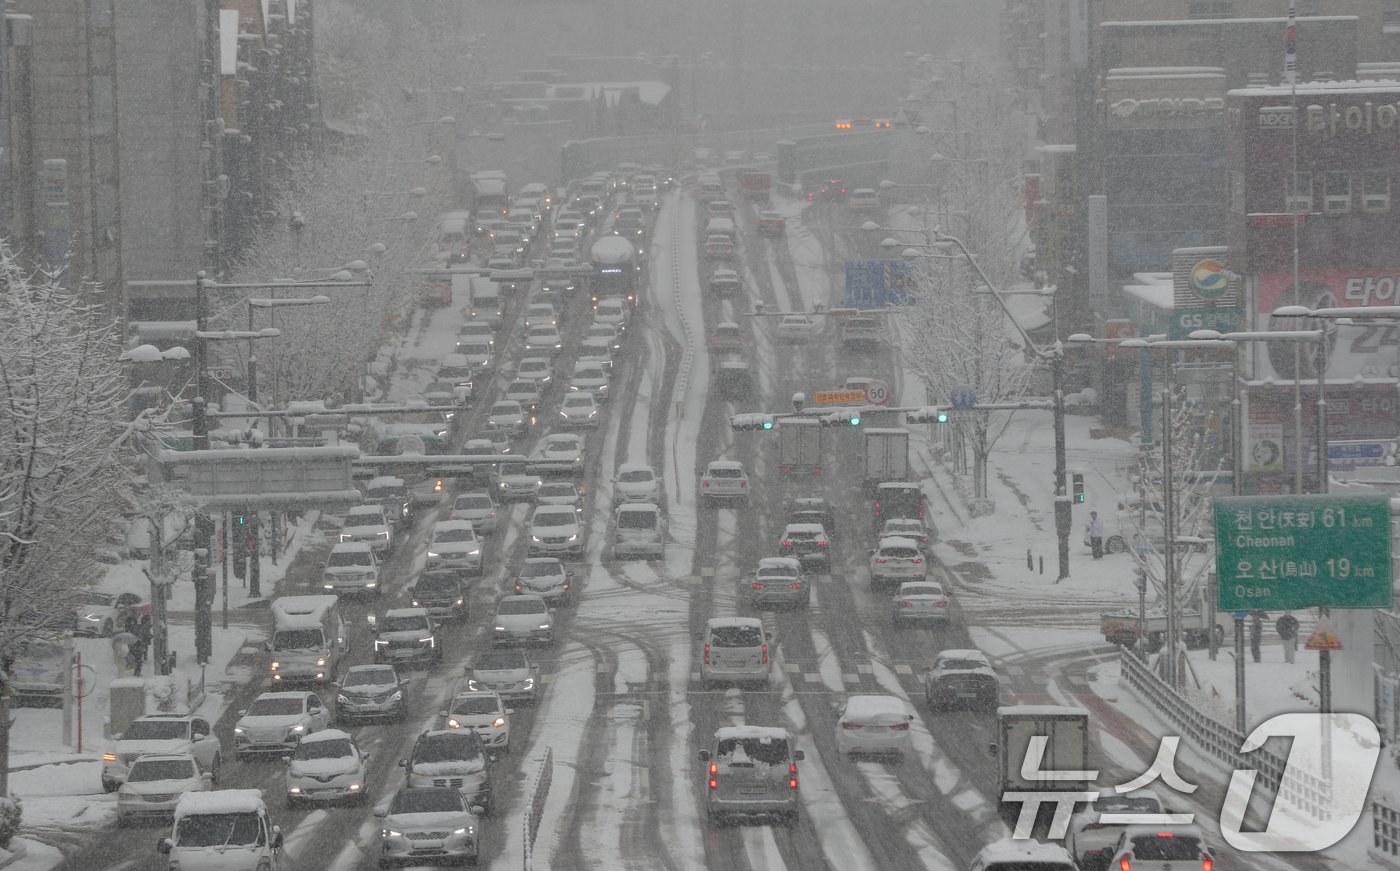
[1283,552]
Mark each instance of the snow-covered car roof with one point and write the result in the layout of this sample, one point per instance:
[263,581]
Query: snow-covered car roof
[1007,850]
[220,801]
[773,562]
[898,541]
[634,467]
[871,706]
[761,733]
[406,612]
[350,547]
[747,622]
[384,481]
[968,653]
[725,464]
[357,510]
[454,525]
[326,735]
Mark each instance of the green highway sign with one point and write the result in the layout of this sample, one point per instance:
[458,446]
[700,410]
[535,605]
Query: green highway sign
[1276,553]
[1224,318]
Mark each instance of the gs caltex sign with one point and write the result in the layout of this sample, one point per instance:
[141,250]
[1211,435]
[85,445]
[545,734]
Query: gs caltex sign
[1203,296]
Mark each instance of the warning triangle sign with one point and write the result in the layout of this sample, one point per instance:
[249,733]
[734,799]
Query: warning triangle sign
[1323,638]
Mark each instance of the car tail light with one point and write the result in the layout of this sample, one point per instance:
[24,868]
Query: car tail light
[714,775]
[848,725]
[916,561]
[821,544]
[796,586]
[881,560]
[707,654]
[743,485]
[704,484]
[787,542]
[1207,864]
[904,603]
[757,586]
[942,604]
[792,775]
[899,727]
[1126,863]
[765,654]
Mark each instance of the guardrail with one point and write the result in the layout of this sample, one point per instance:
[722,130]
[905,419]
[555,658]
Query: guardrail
[534,808]
[1305,791]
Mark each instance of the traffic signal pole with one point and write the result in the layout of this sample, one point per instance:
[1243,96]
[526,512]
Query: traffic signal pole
[203,525]
[1063,508]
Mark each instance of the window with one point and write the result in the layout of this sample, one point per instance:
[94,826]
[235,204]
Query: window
[1375,190]
[1297,193]
[1336,192]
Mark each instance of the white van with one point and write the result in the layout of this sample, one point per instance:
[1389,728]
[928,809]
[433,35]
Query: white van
[485,300]
[224,830]
[735,650]
[638,530]
[308,639]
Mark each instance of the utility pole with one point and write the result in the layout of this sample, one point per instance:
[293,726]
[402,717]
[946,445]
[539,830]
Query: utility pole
[204,525]
[1063,508]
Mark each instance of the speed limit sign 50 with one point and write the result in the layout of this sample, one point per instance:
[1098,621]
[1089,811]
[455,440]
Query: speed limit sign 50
[877,393]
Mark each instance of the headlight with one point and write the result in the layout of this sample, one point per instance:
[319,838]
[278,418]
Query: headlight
[109,757]
[384,534]
[297,729]
[433,553]
[459,601]
[546,626]
[536,538]
[390,833]
[472,684]
[238,730]
[453,724]
[276,665]
[529,683]
[329,586]
[415,603]
[465,831]
[500,628]
[346,537]
[396,697]
[476,552]
[92,617]
[498,722]
[341,700]
[381,642]
[574,537]
[429,640]
[321,663]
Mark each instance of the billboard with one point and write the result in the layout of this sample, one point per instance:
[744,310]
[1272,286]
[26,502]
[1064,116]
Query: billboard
[1354,352]
[878,283]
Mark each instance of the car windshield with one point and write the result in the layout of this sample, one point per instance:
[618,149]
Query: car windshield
[513,469]
[475,705]
[636,476]
[534,366]
[218,830]
[523,606]
[403,622]
[364,519]
[555,518]
[473,502]
[539,570]
[765,751]
[578,401]
[522,387]
[474,349]
[1166,848]
[558,490]
[600,330]
[331,748]
[296,639]
[726,472]
[636,520]
[143,770]
[463,534]
[501,660]
[435,584]
[736,636]
[543,332]
[593,373]
[427,801]
[800,535]
[506,408]
[276,707]
[156,730]
[956,664]
[447,748]
[781,570]
[350,558]
[370,677]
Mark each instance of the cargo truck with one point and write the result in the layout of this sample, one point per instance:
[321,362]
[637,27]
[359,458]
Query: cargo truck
[886,455]
[1198,618]
[1064,733]
[799,446]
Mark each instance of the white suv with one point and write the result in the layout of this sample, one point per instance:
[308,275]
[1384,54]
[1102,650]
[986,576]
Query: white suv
[724,480]
[352,567]
[895,560]
[162,733]
[636,482]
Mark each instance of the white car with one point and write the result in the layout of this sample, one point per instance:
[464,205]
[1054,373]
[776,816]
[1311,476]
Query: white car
[874,725]
[592,376]
[433,820]
[639,530]
[508,673]
[1090,841]
[369,523]
[537,369]
[523,619]
[276,722]
[483,712]
[795,328]
[724,480]
[592,349]
[558,453]
[904,527]
[559,493]
[579,409]
[454,546]
[1158,848]
[155,783]
[352,567]
[636,482]
[545,577]
[863,200]
[101,614]
[555,530]
[482,331]
[516,483]
[526,392]
[509,416]
[162,733]
[541,313]
[920,602]
[612,311]
[611,333]
[477,353]
[478,509]
[896,560]
[326,766]
[543,339]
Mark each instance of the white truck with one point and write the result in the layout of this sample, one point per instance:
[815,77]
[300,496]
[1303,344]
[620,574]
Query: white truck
[309,636]
[886,455]
[799,446]
[1063,735]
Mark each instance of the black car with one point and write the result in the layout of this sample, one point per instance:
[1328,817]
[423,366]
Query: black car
[405,635]
[371,692]
[441,594]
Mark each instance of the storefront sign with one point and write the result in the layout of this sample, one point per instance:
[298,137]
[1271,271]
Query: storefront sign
[1359,351]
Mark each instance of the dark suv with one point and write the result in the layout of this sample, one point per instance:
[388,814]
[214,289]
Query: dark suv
[452,758]
[441,594]
[813,509]
[407,635]
[897,499]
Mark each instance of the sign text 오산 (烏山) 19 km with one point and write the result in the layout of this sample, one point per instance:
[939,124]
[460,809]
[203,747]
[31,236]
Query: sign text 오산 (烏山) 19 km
[1283,552]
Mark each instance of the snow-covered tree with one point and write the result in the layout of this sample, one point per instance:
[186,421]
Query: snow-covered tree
[957,333]
[66,443]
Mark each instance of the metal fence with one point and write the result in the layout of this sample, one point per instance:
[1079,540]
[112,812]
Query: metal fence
[1305,791]
[534,808]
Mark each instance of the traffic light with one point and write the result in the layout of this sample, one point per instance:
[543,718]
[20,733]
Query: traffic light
[1078,485]
[746,422]
[932,414]
[240,518]
[841,418]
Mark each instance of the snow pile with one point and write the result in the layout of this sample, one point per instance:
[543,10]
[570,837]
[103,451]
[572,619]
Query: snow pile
[11,812]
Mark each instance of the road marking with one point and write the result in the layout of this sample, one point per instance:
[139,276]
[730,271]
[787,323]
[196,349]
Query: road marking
[850,678]
[707,571]
[903,668]
[865,668]
[812,677]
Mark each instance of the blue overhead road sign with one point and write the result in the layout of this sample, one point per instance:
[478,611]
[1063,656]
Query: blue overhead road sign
[878,283]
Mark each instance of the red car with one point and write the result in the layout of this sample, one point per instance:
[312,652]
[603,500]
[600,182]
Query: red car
[771,224]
